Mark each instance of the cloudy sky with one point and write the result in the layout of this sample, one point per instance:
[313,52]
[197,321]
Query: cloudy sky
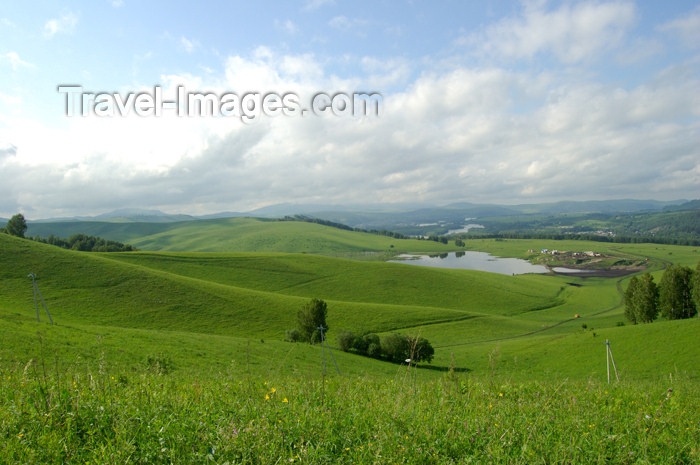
[493,101]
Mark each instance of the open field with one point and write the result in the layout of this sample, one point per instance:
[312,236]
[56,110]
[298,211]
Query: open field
[178,357]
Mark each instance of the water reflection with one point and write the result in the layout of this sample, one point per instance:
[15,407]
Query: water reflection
[470,260]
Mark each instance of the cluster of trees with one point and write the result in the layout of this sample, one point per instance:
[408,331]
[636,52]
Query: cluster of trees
[393,347]
[442,239]
[17,226]
[588,237]
[86,243]
[677,295]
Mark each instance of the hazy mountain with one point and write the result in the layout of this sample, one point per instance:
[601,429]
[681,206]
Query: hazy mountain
[598,206]
[125,215]
[691,205]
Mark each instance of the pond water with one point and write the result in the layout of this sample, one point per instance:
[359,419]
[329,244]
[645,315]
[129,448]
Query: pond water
[559,269]
[465,228]
[481,261]
[470,260]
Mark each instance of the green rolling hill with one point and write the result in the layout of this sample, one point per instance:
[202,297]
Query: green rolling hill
[238,235]
[179,357]
[465,314]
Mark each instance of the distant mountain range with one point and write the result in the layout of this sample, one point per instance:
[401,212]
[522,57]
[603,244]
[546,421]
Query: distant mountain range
[366,215]
[651,219]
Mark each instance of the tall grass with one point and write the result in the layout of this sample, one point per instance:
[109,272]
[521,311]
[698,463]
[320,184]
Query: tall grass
[99,412]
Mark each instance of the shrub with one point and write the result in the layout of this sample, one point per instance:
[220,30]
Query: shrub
[374,350]
[159,364]
[293,335]
[346,340]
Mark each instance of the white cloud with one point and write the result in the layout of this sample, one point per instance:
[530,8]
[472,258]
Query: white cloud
[316,4]
[479,134]
[287,25]
[343,23]
[386,73]
[15,61]
[187,45]
[686,28]
[572,33]
[62,25]
[10,100]
[4,22]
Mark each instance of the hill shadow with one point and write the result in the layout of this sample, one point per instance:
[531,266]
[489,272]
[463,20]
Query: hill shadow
[443,368]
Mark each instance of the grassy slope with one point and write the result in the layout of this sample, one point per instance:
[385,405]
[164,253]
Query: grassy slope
[88,391]
[466,314]
[124,232]
[188,293]
[240,235]
[258,235]
[353,281]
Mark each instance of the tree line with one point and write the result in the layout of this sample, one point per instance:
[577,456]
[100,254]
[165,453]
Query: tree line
[85,243]
[393,347]
[17,226]
[677,296]
[333,224]
[588,237]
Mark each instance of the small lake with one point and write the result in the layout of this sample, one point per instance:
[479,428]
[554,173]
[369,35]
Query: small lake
[481,261]
[465,228]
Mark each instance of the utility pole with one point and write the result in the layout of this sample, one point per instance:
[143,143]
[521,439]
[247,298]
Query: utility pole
[324,345]
[35,286]
[608,359]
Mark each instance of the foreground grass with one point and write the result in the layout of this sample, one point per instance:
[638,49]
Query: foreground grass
[94,414]
[112,395]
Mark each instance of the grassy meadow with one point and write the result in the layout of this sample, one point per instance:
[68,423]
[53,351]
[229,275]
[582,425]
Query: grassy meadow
[178,357]
[242,235]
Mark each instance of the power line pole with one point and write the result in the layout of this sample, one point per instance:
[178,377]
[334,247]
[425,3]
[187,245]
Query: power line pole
[35,287]
[608,358]
[324,345]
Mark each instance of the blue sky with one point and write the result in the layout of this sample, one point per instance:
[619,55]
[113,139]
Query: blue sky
[497,102]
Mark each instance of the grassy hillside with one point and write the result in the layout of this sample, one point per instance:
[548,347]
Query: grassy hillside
[116,231]
[238,235]
[465,314]
[353,281]
[177,357]
[259,235]
[251,294]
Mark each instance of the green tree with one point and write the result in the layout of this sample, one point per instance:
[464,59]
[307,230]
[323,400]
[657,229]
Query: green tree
[399,347]
[421,349]
[310,317]
[396,347]
[696,286]
[630,300]
[370,345]
[675,293]
[17,225]
[647,301]
[346,340]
